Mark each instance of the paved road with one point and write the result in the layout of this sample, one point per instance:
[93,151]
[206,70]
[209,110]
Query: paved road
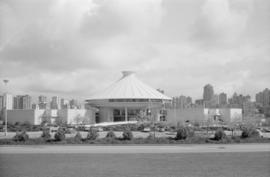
[133,149]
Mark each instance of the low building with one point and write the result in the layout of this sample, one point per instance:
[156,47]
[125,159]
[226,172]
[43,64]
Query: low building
[203,115]
[32,116]
[37,116]
[128,99]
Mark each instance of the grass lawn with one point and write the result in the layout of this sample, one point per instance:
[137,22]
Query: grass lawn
[254,164]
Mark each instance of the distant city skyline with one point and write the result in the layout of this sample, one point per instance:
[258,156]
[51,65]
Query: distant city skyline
[74,48]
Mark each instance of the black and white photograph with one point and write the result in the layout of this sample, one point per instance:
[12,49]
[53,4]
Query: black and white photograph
[134,88]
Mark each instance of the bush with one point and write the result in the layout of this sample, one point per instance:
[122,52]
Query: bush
[78,137]
[92,134]
[219,134]
[127,135]
[23,136]
[151,136]
[59,135]
[190,131]
[182,133]
[248,132]
[111,135]
[46,134]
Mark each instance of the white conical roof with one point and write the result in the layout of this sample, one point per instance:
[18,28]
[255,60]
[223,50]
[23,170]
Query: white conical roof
[129,87]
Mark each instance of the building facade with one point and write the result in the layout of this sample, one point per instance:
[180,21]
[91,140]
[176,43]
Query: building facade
[208,92]
[222,99]
[128,99]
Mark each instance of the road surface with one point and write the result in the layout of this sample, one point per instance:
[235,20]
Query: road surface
[133,149]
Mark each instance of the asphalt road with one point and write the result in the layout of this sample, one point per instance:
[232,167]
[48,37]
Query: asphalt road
[133,149]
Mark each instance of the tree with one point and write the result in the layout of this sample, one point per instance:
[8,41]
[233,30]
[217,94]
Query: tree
[127,135]
[111,135]
[219,134]
[46,117]
[23,136]
[60,122]
[46,134]
[59,135]
[182,133]
[92,134]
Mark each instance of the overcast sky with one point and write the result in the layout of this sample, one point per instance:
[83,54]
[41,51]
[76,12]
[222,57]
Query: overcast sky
[71,48]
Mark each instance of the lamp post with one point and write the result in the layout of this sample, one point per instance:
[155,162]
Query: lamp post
[5,82]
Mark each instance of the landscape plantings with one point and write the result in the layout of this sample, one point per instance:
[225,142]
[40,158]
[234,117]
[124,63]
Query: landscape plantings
[78,137]
[21,136]
[248,132]
[127,135]
[182,133]
[219,134]
[92,134]
[59,135]
[111,135]
[46,134]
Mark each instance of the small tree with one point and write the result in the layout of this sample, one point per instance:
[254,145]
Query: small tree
[182,133]
[46,134]
[219,134]
[111,135]
[127,135]
[59,135]
[78,137]
[248,132]
[92,134]
[46,118]
[60,122]
[23,136]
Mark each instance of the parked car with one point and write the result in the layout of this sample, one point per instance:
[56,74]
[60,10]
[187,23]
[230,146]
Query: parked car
[263,133]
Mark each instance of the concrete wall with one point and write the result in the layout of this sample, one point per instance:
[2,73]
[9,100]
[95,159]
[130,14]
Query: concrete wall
[236,115]
[203,115]
[77,116]
[181,115]
[34,117]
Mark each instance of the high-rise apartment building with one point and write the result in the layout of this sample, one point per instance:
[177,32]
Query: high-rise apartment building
[223,99]
[208,92]
[64,103]
[238,100]
[27,102]
[263,97]
[22,102]
[8,101]
[42,102]
[18,102]
[215,100]
[55,103]
[189,100]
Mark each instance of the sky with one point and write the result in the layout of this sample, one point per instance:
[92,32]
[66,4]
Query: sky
[72,48]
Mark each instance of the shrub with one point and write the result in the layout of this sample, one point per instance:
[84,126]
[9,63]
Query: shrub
[127,135]
[182,133]
[46,134]
[23,136]
[151,136]
[219,134]
[92,134]
[78,137]
[248,132]
[190,131]
[111,135]
[59,135]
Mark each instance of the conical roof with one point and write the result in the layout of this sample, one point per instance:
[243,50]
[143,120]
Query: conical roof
[129,87]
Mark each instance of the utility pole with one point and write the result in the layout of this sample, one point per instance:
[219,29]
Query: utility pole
[5,82]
